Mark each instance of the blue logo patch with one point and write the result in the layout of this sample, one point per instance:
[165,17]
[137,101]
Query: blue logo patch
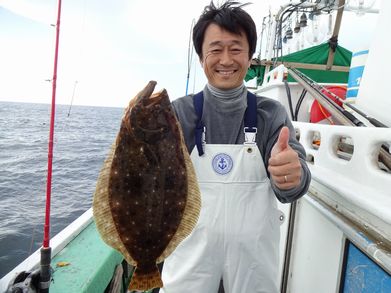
[222,164]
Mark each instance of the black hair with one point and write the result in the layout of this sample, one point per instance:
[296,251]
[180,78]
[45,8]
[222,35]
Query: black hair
[231,17]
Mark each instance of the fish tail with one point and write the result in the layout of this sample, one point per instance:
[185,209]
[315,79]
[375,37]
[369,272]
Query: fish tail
[145,281]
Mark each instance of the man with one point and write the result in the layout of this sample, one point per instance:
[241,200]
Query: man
[245,156]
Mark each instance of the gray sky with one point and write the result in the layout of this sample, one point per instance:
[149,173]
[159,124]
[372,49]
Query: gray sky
[111,48]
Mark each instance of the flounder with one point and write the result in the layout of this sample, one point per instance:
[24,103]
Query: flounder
[147,198]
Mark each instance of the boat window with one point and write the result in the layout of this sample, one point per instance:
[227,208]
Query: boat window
[310,159]
[384,157]
[344,147]
[315,139]
[297,132]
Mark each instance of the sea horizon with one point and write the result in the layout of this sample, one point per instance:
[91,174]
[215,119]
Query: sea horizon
[81,143]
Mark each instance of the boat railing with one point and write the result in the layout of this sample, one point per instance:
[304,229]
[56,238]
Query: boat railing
[348,177]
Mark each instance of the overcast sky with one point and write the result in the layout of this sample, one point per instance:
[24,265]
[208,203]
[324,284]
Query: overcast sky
[109,50]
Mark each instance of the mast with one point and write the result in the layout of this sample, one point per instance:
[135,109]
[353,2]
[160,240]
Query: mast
[334,38]
[45,274]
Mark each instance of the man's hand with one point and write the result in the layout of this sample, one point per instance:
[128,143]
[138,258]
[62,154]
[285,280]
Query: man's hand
[284,165]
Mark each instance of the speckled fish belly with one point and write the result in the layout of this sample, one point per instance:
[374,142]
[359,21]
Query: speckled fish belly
[147,198]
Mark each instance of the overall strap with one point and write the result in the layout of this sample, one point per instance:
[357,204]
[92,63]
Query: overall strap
[250,120]
[250,116]
[198,100]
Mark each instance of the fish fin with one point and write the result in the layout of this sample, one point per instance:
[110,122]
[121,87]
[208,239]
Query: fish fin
[145,281]
[102,212]
[192,208]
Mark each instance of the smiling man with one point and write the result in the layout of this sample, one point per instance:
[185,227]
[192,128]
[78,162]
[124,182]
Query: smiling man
[225,57]
[245,156]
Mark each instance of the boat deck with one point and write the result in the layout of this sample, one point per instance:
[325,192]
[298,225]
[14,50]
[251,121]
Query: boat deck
[91,264]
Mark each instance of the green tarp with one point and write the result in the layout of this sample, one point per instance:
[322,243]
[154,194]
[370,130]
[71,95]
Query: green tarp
[313,55]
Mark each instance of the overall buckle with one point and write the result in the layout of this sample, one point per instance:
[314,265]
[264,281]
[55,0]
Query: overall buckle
[250,134]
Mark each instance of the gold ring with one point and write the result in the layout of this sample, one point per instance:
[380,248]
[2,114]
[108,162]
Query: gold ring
[286,178]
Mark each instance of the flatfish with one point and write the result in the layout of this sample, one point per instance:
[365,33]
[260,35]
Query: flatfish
[147,198]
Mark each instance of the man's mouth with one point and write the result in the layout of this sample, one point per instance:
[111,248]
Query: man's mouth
[226,72]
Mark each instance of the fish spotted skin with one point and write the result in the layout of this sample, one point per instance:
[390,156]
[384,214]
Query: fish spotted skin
[148,187]
[148,180]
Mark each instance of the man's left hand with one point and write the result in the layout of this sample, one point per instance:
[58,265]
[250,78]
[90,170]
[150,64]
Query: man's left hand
[284,164]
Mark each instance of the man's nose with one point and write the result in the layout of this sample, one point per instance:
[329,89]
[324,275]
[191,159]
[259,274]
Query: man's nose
[226,58]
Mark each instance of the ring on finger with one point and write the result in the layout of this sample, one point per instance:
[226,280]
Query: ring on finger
[286,178]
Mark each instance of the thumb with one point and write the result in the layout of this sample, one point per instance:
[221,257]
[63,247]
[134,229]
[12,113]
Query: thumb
[282,141]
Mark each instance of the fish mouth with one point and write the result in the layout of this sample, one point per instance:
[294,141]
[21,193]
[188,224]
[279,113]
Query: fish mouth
[147,97]
[144,116]
[154,99]
[147,91]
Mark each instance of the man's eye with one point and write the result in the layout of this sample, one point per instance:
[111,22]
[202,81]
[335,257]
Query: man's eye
[236,51]
[216,51]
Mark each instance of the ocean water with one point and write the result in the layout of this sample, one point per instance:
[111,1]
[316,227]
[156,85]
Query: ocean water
[81,143]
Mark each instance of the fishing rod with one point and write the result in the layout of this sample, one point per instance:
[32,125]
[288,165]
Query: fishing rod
[313,88]
[372,120]
[261,37]
[45,273]
[73,95]
[189,56]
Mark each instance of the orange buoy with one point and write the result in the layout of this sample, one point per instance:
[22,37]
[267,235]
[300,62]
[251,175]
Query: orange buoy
[318,113]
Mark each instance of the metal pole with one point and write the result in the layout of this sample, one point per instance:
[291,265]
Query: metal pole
[334,37]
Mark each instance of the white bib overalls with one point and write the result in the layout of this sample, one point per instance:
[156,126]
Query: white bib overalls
[237,235]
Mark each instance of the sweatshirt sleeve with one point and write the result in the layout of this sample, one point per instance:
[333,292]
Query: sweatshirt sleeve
[184,110]
[280,119]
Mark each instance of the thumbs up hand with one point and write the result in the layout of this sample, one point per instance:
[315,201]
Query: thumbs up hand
[284,164]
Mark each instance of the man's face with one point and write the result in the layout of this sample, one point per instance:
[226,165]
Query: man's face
[224,57]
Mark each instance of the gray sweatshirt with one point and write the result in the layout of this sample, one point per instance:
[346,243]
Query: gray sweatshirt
[223,117]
